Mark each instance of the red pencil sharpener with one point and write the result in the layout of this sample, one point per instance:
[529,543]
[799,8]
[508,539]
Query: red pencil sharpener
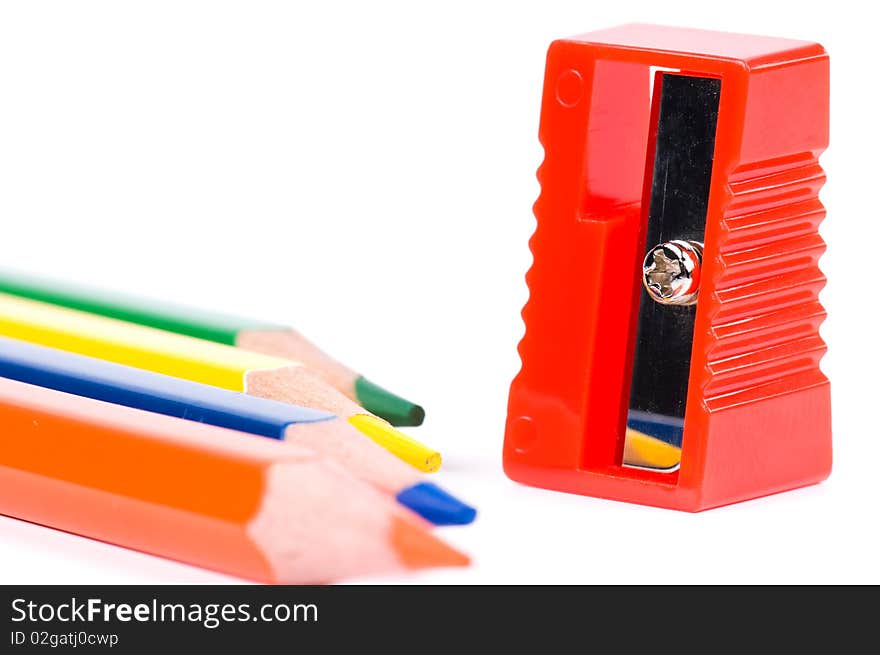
[671,352]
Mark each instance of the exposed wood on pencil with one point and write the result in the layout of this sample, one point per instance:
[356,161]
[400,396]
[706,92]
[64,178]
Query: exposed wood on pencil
[364,458]
[283,382]
[290,344]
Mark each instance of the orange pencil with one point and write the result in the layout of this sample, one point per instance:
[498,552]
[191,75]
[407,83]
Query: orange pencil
[216,498]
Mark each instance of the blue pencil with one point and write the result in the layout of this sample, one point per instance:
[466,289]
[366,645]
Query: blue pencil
[161,394]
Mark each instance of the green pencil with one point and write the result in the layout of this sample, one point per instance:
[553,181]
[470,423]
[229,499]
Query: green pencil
[265,338]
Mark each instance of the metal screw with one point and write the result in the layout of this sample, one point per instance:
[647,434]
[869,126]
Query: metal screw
[671,272]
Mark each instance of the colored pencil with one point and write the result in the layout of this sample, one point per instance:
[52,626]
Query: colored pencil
[645,451]
[280,341]
[311,429]
[198,360]
[216,498]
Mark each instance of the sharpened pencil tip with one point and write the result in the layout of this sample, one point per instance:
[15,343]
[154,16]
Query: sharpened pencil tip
[415,417]
[432,464]
[417,548]
[396,442]
[381,402]
[436,505]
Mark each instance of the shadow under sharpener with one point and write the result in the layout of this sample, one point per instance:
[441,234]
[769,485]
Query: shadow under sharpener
[655,135]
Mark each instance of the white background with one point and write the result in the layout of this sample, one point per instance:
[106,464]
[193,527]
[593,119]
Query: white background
[365,171]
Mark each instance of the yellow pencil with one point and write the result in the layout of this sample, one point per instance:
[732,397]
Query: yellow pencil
[646,451]
[201,361]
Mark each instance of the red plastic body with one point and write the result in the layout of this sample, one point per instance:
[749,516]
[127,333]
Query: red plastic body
[758,418]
